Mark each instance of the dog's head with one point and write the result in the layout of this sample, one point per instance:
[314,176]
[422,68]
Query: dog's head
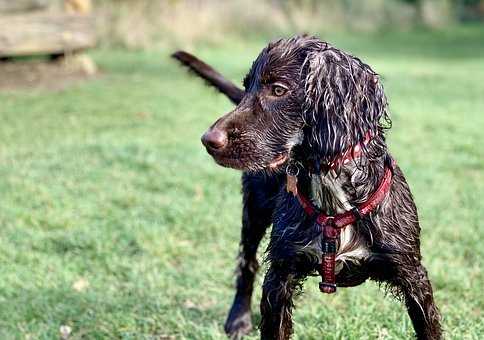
[299,92]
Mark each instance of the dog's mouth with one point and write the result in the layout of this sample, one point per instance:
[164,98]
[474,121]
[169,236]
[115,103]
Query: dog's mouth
[243,163]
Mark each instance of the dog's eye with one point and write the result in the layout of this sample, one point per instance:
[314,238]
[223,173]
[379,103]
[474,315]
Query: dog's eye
[278,90]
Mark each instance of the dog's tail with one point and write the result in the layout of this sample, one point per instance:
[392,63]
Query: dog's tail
[211,76]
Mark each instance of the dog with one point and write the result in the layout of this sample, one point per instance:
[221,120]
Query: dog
[308,132]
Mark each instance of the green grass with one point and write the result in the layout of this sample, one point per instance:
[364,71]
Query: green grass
[106,182]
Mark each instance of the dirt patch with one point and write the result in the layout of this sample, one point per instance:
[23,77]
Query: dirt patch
[45,74]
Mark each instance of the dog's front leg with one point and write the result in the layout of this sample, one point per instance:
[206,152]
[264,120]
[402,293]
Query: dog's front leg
[415,285]
[276,304]
[258,192]
[409,279]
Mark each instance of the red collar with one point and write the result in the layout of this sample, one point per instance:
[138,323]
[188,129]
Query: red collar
[350,154]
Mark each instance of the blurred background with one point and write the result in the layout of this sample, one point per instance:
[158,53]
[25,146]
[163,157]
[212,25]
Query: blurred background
[189,22]
[115,223]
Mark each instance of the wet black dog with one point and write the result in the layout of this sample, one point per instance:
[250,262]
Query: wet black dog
[305,104]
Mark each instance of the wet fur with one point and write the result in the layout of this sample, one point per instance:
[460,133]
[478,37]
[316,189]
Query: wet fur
[337,100]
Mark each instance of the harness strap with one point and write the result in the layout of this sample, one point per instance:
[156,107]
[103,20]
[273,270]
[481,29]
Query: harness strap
[331,226]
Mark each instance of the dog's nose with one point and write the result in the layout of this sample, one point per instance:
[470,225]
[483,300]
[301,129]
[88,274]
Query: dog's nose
[214,138]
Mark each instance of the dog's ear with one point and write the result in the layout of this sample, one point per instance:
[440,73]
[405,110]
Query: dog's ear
[344,100]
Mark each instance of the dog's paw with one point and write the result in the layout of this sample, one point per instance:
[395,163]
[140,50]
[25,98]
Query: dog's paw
[238,323]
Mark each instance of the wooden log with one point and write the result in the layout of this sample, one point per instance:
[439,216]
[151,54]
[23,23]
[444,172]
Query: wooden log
[45,33]
[12,6]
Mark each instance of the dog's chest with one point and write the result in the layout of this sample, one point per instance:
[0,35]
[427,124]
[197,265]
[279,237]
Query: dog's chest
[329,196]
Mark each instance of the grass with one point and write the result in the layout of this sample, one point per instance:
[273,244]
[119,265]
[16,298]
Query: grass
[116,223]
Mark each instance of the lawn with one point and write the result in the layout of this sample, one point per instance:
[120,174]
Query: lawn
[115,222]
